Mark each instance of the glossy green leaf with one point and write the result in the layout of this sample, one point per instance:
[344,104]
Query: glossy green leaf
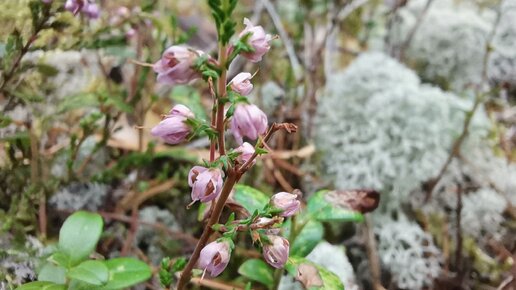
[311,234]
[60,258]
[52,273]
[41,285]
[91,272]
[79,235]
[324,210]
[330,281]
[257,270]
[250,198]
[125,272]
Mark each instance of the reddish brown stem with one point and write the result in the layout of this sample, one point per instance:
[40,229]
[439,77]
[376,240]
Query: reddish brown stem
[214,218]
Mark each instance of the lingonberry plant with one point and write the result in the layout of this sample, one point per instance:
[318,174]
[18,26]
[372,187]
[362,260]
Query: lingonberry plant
[70,266]
[214,181]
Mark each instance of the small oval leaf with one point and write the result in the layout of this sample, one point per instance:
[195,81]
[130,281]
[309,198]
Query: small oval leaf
[311,274]
[92,272]
[250,198]
[41,285]
[79,235]
[311,234]
[257,270]
[322,208]
[125,272]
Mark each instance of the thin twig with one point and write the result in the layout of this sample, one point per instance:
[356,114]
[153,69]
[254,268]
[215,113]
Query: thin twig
[458,252]
[372,254]
[214,284]
[479,98]
[412,32]
[289,47]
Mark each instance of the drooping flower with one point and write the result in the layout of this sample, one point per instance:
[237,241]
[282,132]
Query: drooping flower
[176,65]
[258,40]
[276,252]
[287,202]
[249,121]
[206,183]
[241,83]
[173,129]
[246,150]
[88,7]
[214,257]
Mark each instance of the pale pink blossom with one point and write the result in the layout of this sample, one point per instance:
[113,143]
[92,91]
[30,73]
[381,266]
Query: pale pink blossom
[214,257]
[246,150]
[173,129]
[258,40]
[176,65]
[276,251]
[287,202]
[249,121]
[88,7]
[206,183]
[241,83]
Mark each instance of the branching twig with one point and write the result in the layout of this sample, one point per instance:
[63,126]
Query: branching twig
[479,98]
[372,254]
[289,47]
[412,32]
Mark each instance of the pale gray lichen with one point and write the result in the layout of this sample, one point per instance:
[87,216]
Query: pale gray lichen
[334,259]
[449,45]
[408,252]
[378,127]
[148,236]
[482,214]
[76,196]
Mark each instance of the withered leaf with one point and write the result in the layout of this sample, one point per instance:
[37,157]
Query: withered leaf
[309,276]
[361,200]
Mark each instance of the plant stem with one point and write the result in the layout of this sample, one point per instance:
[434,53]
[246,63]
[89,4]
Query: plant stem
[232,174]
[221,93]
[214,218]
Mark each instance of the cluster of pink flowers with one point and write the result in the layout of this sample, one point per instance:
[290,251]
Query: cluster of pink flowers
[87,7]
[178,65]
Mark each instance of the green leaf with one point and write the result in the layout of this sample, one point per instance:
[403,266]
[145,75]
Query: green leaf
[125,272]
[250,198]
[330,281]
[47,70]
[52,273]
[257,270]
[60,258]
[79,235]
[311,234]
[91,272]
[324,210]
[41,285]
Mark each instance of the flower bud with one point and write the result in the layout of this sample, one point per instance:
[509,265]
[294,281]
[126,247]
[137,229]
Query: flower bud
[214,257]
[206,183]
[88,7]
[173,129]
[91,10]
[246,152]
[258,40]
[276,252]
[287,202]
[241,83]
[176,65]
[248,120]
